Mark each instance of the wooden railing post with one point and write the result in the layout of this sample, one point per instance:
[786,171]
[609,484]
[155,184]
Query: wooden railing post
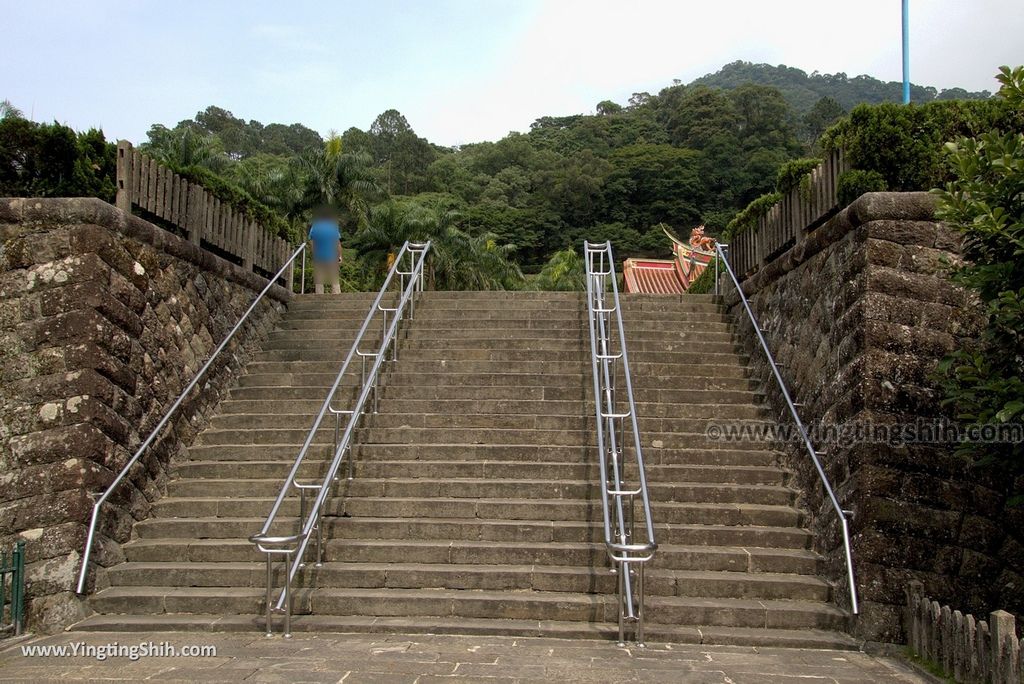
[248,241]
[123,200]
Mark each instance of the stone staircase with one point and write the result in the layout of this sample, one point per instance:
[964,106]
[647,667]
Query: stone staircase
[475,507]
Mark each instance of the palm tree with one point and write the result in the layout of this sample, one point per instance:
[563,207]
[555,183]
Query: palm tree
[9,110]
[183,147]
[564,271]
[339,180]
[457,261]
[280,186]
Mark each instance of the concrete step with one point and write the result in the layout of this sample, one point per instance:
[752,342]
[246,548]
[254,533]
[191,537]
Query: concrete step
[477,529]
[702,404]
[469,603]
[191,474]
[481,375]
[525,453]
[684,390]
[539,509]
[489,421]
[388,551]
[736,636]
[694,436]
[660,363]
[391,486]
[586,579]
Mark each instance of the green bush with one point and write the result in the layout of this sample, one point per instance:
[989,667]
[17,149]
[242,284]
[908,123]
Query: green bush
[564,272]
[748,217]
[227,191]
[705,282]
[903,143]
[792,172]
[852,184]
[51,160]
[984,382]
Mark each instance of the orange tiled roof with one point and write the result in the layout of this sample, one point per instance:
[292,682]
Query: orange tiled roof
[652,276]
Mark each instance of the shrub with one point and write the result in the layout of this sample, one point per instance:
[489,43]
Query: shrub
[852,184]
[564,271]
[51,160]
[705,282]
[903,143]
[227,191]
[748,217]
[792,172]
[984,383]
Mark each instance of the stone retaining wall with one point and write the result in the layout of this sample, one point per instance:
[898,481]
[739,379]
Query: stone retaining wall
[859,314]
[104,318]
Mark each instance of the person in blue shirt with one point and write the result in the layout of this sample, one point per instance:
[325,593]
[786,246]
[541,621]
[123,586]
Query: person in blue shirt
[326,238]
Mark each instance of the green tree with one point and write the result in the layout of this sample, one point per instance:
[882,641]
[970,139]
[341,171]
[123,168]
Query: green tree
[341,180]
[564,271]
[458,260]
[823,114]
[184,146]
[984,383]
[51,160]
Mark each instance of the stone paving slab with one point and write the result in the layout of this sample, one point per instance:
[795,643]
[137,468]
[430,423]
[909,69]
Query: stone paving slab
[435,659]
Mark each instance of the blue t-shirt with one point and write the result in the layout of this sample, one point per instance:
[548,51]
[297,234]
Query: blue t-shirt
[325,235]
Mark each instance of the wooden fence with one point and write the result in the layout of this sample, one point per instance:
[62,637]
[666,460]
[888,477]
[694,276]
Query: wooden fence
[800,211]
[207,222]
[966,649]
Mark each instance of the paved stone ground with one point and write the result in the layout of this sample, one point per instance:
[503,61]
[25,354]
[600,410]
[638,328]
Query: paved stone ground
[425,659]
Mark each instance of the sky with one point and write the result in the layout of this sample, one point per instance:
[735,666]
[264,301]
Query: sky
[459,70]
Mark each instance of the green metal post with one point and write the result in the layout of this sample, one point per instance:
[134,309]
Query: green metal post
[19,598]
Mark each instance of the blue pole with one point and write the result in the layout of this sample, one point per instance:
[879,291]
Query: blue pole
[906,51]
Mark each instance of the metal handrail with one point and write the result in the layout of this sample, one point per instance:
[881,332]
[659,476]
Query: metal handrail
[294,547]
[844,515]
[102,498]
[620,530]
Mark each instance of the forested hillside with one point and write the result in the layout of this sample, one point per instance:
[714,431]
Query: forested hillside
[692,153]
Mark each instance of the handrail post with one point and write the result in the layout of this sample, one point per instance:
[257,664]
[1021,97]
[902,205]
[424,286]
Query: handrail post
[843,515]
[298,543]
[618,504]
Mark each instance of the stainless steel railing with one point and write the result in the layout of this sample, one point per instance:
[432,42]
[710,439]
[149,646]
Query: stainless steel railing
[101,498]
[844,515]
[613,414]
[292,548]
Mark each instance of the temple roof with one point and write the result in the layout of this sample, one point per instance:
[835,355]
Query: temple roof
[652,276]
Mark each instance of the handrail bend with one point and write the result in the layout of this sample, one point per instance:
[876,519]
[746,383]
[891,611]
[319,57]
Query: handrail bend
[618,501]
[293,547]
[844,515]
[102,498]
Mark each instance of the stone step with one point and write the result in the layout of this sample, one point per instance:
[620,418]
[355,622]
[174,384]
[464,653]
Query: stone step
[193,473]
[690,455]
[588,579]
[489,487]
[685,390]
[560,510]
[694,436]
[703,404]
[483,374]
[469,603]
[475,529]
[735,636]
[676,557]
[572,333]
[489,421]
[690,338]
[466,361]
